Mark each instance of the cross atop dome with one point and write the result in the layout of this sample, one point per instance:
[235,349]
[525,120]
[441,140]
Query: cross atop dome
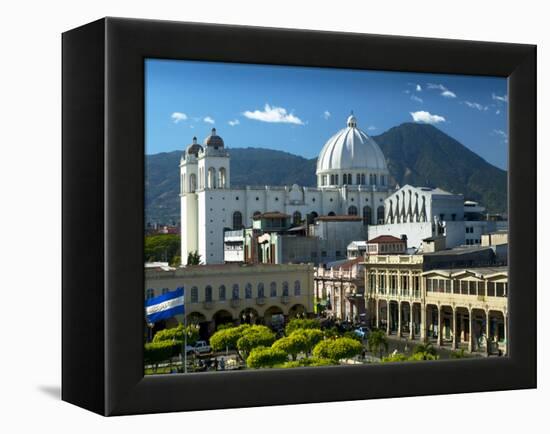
[352,121]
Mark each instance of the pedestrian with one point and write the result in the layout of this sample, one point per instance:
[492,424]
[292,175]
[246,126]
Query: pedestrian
[215,364]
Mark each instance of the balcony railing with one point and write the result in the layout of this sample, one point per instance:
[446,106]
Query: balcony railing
[285,299]
[260,301]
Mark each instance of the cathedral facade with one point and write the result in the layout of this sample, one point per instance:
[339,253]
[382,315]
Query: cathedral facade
[352,179]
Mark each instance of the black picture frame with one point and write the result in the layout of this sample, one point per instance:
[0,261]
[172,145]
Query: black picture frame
[103,206]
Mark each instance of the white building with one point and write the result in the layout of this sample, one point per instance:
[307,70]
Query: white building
[424,212]
[352,179]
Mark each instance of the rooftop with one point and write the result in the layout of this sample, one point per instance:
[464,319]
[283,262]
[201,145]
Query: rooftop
[271,215]
[339,218]
[385,239]
[478,271]
[455,251]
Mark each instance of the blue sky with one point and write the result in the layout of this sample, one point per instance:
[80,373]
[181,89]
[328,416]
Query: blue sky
[296,109]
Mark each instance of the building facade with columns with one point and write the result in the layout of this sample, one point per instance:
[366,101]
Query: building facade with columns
[218,294]
[352,179]
[454,307]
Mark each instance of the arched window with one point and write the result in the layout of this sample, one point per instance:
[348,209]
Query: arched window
[235,292]
[182,184]
[374,179]
[370,179]
[296,218]
[380,215]
[331,179]
[297,288]
[363,179]
[222,179]
[331,213]
[192,182]
[211,177]
[285,289]
[261,290]
[367,215]
[350,179]
[208,293]
[194,294]
[345,179]
[248,291]
[221,293]
[237,220]
[336,179]
[273,289]
[352,210]
[150,293]
[311,217]
[358,178]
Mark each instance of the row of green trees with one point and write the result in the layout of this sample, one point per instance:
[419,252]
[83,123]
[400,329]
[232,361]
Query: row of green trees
[257,346]
[168,343]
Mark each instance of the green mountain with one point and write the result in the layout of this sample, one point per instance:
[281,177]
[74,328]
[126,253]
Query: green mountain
[422,155]
[417,154]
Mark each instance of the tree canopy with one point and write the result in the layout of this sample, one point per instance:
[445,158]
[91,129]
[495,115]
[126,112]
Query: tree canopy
[176,334]
[162,247]
[262,357]
[337,349]
[301,323]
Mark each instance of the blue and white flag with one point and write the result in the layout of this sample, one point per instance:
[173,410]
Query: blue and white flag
[165,306]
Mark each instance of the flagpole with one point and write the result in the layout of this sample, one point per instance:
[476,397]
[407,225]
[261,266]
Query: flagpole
[184,341]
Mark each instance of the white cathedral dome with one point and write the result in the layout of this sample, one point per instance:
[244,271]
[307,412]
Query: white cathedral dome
[351,152]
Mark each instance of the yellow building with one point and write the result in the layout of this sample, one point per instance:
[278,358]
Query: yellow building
[459,307]
[217,294]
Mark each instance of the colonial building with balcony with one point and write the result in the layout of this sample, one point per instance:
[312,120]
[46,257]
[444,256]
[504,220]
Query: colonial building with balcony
[233,293]
[455,307]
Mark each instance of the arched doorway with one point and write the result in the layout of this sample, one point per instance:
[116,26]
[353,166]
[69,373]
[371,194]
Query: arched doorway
[297,311]
[249,316]
[221,317]
[274,317]
[197,318]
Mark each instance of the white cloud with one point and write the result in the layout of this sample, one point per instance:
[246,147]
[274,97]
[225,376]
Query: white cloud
[178,117]
[371,128]
[476,105]
[273,114]
[209,120]
[448,94]
[501,134]
[497,112]
[418,88]
[427,117]
[444,91]
[417,99]
[436,86]
[503,98]
[234,122]
[326,114]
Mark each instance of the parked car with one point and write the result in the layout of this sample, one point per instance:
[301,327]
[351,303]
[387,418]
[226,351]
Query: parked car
[200,347]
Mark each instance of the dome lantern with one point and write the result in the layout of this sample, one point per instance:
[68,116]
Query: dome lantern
[352,121]
[351,157]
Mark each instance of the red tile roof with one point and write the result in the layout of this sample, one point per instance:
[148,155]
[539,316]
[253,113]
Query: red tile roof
[385,239]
